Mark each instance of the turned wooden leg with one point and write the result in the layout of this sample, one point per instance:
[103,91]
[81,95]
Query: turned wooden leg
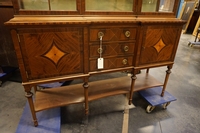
[30,101]
[166,80]
[132,88]
[85,85]
[35,88]
[147,71]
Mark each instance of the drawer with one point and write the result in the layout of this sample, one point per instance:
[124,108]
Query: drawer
[113,34]
[112,63]
[112,49]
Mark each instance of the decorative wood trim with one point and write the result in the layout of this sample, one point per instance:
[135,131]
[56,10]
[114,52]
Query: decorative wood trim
[19,55]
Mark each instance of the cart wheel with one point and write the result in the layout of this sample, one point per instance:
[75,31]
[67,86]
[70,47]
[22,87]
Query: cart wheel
[149,108]
[165,105]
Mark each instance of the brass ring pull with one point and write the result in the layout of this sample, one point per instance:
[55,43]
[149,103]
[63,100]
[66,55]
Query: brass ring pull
[126,48]
[127,33]
[100,50]
[125,61]
[100,34]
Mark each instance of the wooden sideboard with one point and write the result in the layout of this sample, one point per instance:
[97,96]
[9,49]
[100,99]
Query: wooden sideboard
[55,48]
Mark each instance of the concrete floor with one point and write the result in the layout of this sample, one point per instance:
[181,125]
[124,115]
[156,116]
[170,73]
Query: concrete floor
[107,114]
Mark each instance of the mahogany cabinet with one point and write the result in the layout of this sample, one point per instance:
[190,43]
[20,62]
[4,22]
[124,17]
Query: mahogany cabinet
[57,43]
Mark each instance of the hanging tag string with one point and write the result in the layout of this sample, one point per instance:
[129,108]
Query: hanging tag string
[100,52]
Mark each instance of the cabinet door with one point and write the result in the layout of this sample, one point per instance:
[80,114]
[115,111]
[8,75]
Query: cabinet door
[159,44]
[51,52]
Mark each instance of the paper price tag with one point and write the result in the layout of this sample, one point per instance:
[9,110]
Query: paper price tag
[100,63]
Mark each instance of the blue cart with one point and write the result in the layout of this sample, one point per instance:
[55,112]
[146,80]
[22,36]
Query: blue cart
[195,42]
[154,98]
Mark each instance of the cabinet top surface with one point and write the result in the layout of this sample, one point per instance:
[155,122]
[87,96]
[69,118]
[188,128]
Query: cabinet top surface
[22,20]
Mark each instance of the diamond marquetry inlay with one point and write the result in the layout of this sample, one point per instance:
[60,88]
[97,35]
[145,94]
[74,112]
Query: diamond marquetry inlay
[54,54]
[159,46]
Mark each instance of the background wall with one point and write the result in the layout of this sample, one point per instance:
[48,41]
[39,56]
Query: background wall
[7,53]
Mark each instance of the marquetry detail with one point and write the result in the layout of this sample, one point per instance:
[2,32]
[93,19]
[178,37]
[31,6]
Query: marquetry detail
[159,46]
[54,54]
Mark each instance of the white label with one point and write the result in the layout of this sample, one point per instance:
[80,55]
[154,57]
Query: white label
[100,63]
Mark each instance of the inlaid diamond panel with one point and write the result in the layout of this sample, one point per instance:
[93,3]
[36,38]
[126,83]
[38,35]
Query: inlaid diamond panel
[54,54]
[159,46]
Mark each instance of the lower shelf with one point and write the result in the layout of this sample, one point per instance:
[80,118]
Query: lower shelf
[57,97]
[72,94]
[145,81]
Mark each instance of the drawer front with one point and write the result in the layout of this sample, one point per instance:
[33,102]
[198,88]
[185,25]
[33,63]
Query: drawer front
[111,49]
[112,63]
[113,34]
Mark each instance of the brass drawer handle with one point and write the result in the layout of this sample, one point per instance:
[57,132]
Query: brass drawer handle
[126,48]
[100,34]
[127,33]
[100,50]
[125,61]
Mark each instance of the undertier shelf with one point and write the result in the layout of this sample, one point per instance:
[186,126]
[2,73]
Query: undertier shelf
[72,94]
